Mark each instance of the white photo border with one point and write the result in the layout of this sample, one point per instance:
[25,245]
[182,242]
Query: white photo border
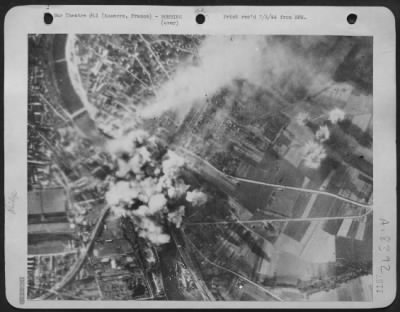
[378,22]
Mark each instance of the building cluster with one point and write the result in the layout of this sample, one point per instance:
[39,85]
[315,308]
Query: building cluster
[62,216]
[120,73]
[47,270]
[53,242]
[125,266]
[234,246]
[280,161]
[42,120]
[60,204]
[223,140]
[185,277]
[121,278]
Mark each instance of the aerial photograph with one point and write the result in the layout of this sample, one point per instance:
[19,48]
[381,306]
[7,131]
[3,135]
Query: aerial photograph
[200,167]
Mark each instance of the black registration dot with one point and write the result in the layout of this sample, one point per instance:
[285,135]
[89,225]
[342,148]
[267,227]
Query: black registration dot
[48,18]
[200,18]
[351,18]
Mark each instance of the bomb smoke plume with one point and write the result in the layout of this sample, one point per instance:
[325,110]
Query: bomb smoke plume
[262,62]
[313,154]
[147,186]
[336,115]
[322,134]
[302,118]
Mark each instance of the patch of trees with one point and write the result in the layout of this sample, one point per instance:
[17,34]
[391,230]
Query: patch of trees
[226,162]
[357,66]
[340,145]
[362,137]
[253,244]
[346,270]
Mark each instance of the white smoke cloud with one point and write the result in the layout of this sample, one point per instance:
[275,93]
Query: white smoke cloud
[121,146]
[119,211]
[69,138]
[156,203]
[148,185]
[196,197]
[136,163]
[302,118]
[178,190]
[176,217]
[123,168]
[222,59]
[153,232]
[336,115]
[121,193]
[144,154]
[172,164]
[126,144]
[322,134]
[313,154]
[141,211]
[265,62]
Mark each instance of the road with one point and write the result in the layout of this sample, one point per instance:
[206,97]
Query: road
[282,220]
[205,292]
[195,158]
[233,272]
[211,170]
[229,181]
[203,167]
[61,41]
[63,294]
[319,192]
[155,56]
[82,258]
[233,178]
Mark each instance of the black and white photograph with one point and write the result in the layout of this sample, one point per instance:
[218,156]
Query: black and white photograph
[244,161]
[189,167]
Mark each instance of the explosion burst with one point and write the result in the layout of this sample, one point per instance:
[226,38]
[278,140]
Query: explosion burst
[147,185]
[322,134]
[336,115]
[302,118]
[313,153]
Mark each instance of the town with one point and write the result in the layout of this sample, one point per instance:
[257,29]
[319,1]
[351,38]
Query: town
[287,171]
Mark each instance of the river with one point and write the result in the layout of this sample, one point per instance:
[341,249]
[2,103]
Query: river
[168,255]
[73,103]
